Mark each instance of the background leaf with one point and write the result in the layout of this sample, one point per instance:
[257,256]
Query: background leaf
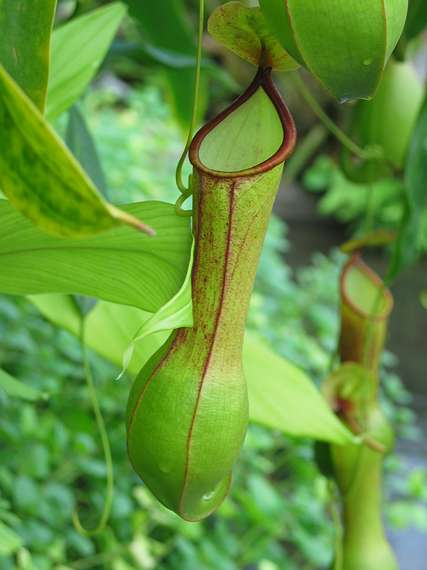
[17,389]
[165,26]
[417,18]
[81,143]
[408,244]
[78,49]
[25,31]
[121,266]
[41,177]
[244,31]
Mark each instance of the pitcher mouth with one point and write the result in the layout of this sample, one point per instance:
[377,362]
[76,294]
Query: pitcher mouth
[381,314]
[264,81]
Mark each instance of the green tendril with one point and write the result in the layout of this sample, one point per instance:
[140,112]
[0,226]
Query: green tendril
[178,205]
[109,488]
[178,174]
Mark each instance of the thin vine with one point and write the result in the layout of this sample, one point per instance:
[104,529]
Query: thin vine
[109,487]
[186,190]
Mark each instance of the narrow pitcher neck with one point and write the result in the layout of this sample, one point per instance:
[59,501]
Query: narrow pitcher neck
[230,221]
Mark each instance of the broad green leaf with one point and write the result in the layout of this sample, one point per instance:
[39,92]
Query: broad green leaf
[40,176]
[244,31]
[121,265]
[281,396]
[10,541]
[408,243]
[17,389]
[25,31]
[80,141]
[78,49]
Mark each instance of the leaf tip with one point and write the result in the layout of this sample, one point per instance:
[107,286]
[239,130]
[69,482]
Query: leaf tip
[125,218]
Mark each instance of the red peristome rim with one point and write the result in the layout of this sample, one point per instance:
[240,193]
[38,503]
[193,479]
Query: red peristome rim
[356,261]
[262,79]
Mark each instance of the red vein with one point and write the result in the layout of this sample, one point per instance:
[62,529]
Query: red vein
[209,355]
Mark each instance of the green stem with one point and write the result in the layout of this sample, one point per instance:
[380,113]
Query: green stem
[179,181]
[109,491]
[339,134]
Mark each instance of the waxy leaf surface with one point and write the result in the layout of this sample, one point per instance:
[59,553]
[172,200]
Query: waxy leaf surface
[25,31]
[121,265]
[78,49]
[40,176]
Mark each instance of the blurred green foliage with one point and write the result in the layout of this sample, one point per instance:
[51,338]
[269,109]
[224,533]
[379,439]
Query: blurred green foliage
[278,514]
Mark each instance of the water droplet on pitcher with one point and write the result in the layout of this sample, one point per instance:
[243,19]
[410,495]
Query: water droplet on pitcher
[208,496]
[367,61]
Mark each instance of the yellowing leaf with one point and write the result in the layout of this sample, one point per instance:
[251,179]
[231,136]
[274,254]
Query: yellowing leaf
[40,176]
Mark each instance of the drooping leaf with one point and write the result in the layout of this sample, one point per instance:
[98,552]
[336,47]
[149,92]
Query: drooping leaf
[408,243]
[16,389]
[25,31]
[120,265]
[281,396]
[78,49]
[40,176]
[244,31]
[80,141]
